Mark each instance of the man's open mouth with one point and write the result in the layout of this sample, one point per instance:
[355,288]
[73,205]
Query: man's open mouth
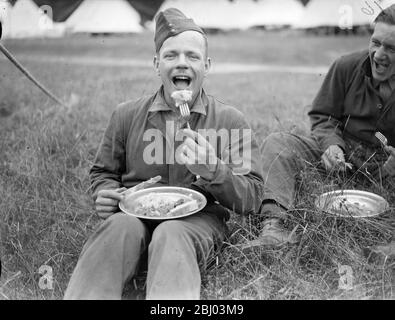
[381,67]
[181,82]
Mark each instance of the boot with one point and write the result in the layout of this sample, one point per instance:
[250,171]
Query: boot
[273,233]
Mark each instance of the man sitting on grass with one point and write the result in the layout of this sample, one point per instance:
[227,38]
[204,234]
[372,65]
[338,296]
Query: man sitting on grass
[355,101]
[178,249]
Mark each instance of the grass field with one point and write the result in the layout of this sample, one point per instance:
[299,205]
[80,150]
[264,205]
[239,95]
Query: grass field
[46,151]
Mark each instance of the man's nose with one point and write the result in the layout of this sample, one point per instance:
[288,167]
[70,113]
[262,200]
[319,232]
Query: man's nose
[182,61]
[380,53]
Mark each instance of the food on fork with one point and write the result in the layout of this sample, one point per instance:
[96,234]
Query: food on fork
[181,96]
[348,165]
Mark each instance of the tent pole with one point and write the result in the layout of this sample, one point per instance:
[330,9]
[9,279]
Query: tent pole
[29,76]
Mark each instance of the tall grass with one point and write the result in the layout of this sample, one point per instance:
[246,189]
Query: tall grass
[46,151]
[316,267]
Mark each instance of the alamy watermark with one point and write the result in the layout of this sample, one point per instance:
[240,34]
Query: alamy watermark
[346,277]
[46,280]
[346,12]
[45,22]
[372,7]
[233,147]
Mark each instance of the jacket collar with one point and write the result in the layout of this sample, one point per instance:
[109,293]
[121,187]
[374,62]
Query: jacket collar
[365,66]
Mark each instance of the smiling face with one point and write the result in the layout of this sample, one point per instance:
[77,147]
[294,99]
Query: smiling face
[382,51]
[182,64]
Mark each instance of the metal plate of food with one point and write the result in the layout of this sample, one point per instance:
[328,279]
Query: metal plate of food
[352,203]
[163,203]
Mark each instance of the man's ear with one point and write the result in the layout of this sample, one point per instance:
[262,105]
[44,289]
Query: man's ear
[156,65]
[207,66]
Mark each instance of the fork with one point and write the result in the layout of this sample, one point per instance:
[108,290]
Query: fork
[382,138]
[142,185]
[185,113]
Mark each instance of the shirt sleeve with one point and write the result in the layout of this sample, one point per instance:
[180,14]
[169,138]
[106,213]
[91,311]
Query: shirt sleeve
[238,182]
[327,109]
[109,163]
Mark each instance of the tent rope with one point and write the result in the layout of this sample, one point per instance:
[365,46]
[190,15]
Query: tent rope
[29,75]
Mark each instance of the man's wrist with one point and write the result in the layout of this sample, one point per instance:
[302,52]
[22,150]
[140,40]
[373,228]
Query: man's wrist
[212,170]
[389,166]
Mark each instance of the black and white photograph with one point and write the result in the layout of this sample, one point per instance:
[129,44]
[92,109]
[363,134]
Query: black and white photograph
[197,155]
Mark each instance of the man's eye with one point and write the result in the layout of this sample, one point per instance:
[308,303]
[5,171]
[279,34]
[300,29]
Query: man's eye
[376,43]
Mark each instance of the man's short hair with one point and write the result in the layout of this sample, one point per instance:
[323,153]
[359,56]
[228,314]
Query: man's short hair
[386,16]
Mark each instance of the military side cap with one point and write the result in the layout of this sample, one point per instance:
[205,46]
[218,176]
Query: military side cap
[171,22]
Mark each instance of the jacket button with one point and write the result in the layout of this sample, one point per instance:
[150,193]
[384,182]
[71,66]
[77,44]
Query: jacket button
[379,106]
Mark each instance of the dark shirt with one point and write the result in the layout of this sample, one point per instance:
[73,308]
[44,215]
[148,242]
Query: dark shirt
[349,105]
[130,138]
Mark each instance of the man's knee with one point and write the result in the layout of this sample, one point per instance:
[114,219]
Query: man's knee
[120,223]
[278,146]
[289,146]
[280,140]
[172,230]
[174,234]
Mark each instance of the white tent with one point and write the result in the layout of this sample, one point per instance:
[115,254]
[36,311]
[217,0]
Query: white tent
[51,28]
[25,20]
[243,12]
[4,7]
[277,13]
[4,17]
[105,16]
[239,14]
[209,14]
[341,13]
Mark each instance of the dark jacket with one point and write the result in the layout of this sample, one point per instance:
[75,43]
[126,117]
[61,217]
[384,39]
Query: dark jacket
[348,105]
[129,136]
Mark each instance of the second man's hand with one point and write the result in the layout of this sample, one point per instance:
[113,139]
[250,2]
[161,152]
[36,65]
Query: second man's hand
[197,154]
[389,165]
[333,157]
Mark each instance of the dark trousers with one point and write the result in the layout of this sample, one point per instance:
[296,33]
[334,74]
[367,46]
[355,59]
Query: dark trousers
[283,156]
[178,250]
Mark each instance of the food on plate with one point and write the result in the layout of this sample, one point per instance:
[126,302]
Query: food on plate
[163,205]
[183,208]
[353,208]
